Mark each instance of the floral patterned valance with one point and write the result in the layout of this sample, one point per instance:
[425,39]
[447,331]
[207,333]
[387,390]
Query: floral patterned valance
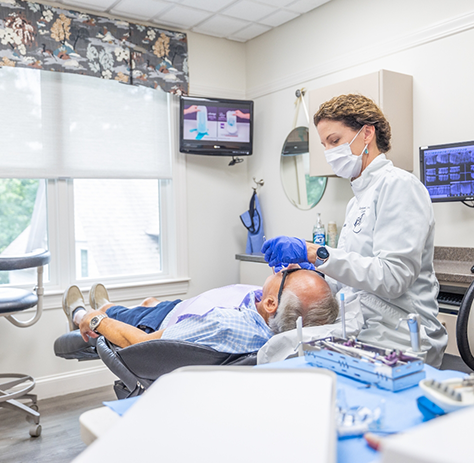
[39,36]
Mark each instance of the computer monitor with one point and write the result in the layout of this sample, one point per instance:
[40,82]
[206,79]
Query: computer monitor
[447,171]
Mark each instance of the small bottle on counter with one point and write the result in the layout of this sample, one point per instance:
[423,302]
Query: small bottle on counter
[319,232]
[332,234]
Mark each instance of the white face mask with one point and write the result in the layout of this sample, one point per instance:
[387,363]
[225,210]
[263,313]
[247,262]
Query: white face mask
[343,162]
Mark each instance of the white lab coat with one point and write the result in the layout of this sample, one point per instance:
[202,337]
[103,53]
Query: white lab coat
[385,255]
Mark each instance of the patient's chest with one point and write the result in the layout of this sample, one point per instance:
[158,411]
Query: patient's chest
[228,296]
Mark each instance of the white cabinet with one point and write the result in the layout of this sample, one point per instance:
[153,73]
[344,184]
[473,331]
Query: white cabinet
[253,269]
[254,273]
[393,93]
[449,322]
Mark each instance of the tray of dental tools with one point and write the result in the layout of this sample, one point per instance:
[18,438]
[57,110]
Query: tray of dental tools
[389,369]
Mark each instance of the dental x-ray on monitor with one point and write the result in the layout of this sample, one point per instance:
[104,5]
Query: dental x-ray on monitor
[447,171]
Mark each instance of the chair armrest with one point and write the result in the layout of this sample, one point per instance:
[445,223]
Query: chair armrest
[37,258]
[147,361]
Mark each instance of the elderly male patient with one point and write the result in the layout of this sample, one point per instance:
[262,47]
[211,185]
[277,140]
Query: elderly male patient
[233,319]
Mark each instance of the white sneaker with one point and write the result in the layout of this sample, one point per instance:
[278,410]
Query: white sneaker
[72,299]
[98,296]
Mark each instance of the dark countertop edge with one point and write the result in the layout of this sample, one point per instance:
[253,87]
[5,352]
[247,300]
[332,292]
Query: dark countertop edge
[454,278]
[251,258]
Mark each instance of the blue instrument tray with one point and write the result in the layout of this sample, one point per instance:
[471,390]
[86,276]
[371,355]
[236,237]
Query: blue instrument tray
[400,375]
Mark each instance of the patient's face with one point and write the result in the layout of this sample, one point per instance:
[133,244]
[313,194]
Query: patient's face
[271,285]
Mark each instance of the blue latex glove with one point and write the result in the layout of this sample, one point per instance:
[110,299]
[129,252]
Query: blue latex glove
[304,265]
[284,249]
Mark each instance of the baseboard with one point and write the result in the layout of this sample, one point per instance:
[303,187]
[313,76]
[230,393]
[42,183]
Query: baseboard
[74,381]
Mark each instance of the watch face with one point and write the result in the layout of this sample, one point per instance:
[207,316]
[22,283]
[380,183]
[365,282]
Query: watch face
[322,253]
[94,321]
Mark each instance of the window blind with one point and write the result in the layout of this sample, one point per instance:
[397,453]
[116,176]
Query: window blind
[65,125]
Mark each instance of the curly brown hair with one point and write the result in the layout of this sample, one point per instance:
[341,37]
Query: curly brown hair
[355,111]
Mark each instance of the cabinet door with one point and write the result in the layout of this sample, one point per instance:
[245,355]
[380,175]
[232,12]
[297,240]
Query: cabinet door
[392,92]
[396,102]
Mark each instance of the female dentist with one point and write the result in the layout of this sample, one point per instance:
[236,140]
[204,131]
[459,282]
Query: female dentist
[385,250]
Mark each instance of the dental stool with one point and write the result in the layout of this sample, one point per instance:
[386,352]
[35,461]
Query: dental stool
[15,387]
[138,366]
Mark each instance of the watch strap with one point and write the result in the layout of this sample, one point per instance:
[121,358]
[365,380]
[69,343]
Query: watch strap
[98,318]
[319,262]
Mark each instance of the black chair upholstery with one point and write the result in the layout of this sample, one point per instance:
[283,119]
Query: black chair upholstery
[16,386]
[465,328]
[138,366]
[72,346]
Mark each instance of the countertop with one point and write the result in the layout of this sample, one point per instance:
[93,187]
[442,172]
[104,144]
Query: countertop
[452,265]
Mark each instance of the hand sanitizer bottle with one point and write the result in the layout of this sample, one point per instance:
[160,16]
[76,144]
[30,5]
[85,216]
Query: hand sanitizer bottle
[319,233]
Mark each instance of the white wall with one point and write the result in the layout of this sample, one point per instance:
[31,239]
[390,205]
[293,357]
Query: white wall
[216,193]
[430,39]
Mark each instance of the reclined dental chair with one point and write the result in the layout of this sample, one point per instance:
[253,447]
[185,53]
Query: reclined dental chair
[138,366]
[16,387]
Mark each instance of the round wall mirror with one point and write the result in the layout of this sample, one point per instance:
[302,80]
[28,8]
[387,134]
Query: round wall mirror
[303,191]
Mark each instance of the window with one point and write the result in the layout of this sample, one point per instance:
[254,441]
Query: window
[117,227]
[23,223]
[107,209]
[84,263]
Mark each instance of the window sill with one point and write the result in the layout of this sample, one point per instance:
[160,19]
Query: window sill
[124,293]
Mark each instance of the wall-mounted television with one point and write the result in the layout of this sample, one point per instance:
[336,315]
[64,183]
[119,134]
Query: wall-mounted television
[447,171]
[215,126]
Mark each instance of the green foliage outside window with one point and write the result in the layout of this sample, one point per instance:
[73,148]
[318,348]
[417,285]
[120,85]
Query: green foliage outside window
[17,201]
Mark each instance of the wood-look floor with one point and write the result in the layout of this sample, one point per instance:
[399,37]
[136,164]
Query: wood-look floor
[60,440]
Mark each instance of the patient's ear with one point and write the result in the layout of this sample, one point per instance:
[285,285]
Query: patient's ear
[270,304]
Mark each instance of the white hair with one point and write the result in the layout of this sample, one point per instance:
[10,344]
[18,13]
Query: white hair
[322,311]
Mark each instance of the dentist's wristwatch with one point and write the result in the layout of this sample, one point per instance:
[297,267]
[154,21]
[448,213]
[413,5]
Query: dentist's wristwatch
[95,321]
[322,255]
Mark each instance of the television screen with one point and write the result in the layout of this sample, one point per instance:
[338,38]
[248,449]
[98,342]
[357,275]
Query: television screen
[216,126]
[447,171]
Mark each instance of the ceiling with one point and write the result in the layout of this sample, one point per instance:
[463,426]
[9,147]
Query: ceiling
[239,20]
